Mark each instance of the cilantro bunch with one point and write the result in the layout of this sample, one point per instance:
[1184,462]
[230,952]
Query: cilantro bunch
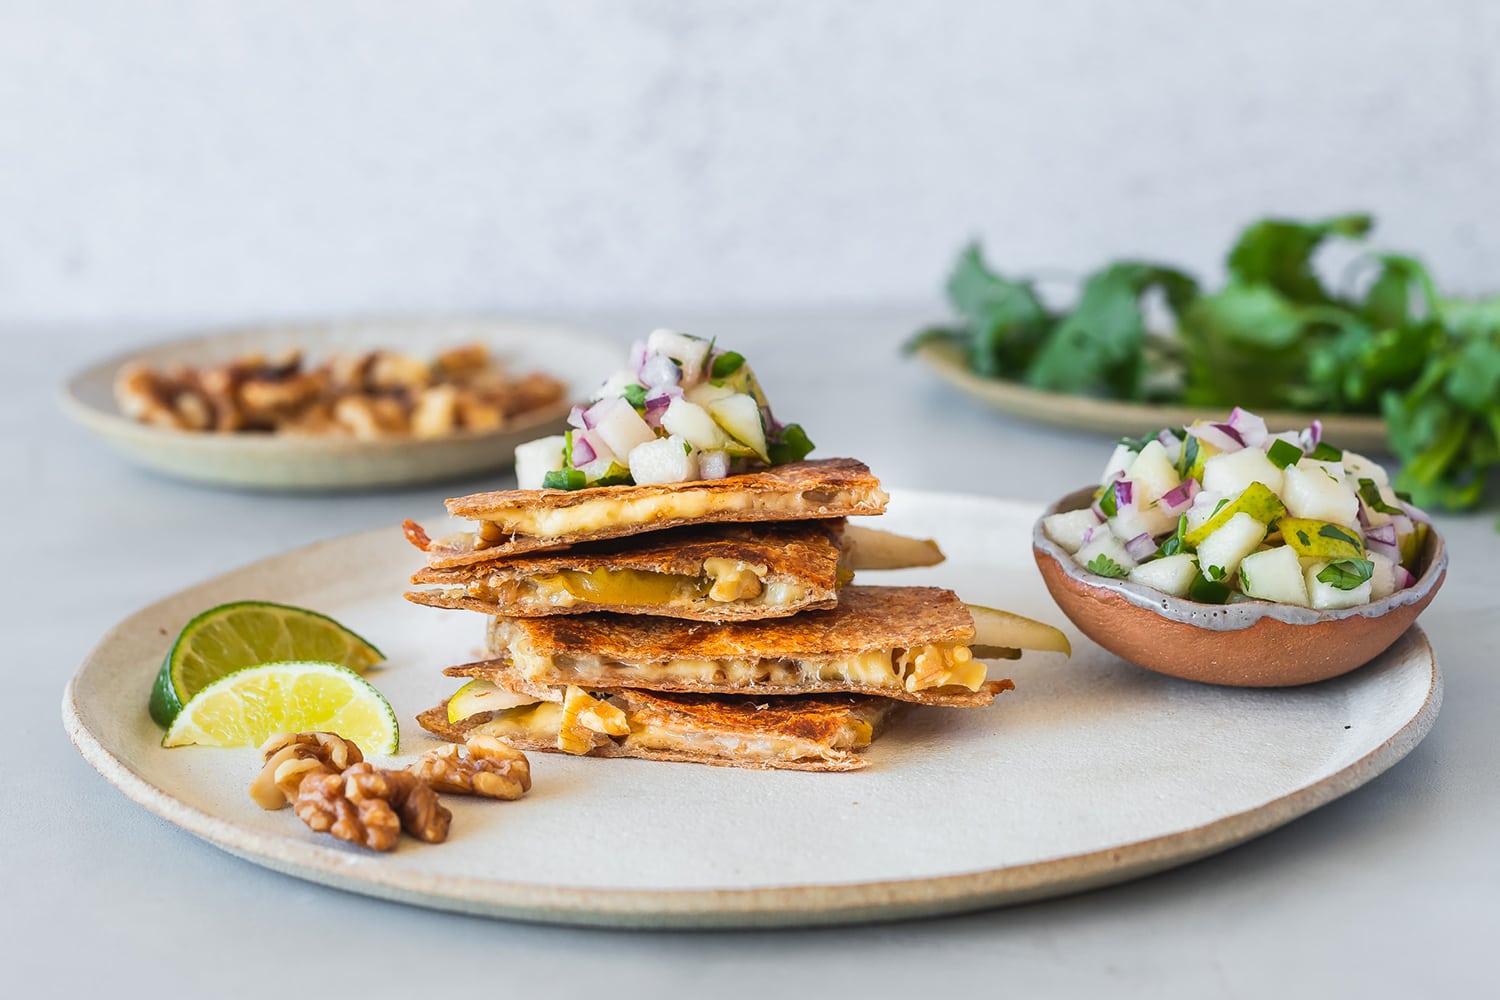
[1275,336]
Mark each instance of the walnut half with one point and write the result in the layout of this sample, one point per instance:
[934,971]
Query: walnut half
[290,757]
[371,806]
[482,766]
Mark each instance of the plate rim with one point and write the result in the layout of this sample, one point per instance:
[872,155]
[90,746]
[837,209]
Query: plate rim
[1116,416]
[764,906]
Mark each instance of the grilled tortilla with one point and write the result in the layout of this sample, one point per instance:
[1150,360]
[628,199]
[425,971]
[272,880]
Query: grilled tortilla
[724,572]
[814,733]
[907,643]
[513,521]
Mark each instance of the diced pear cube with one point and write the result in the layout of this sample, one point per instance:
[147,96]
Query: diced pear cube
[535,459]
[688,352]
[1119,461]
[692,423]
[1327,597]
[615,384]
[1225,547]
[1204,505]
[1383,580]
[1232,471]
[1274,574]
[706,393]
[1170,574]
[663,460]
[1069,528]
[1135,518]
[620,427]
[1317,490]
[1104,544]
[1359,467]
[740,416]
[1153,472]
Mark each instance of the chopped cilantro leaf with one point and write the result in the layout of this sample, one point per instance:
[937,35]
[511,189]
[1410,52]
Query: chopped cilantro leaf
[1215,573]
[1302,537]
[564,479]
[790,444]
[567,451]
[1326,452]
[1107,501]
[1339,535]
[1370,494]
[1105,566]
[1283,453]
[1139,444]
[1175,544]
[635,395]
[1347,574]
[618,475]
[1188,458]
[726,364]
[1206,591]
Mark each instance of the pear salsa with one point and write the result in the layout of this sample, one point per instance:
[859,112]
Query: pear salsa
[1223,512]
[680,410]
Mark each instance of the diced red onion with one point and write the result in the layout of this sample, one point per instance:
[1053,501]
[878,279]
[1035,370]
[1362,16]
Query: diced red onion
[1386,533]
[1391,551]
[1402,524]
[637,355]
[1170,444]
[1404,578]
[1096,510]
[1414,512]
[1361,512]
[583,451]
[713,464]
[1313,435]
[1219,436]
[667,392]
[660,370]
[1250,428]
[1179,498]
[1088,534]
[661,402]
[1140,546]
[575,418]
[1124,493]
[595,413]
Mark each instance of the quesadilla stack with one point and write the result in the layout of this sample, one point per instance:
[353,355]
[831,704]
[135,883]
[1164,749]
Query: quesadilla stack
[706,618]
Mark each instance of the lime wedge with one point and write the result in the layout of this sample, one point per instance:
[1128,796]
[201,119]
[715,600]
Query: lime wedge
[251,705]
[231,636]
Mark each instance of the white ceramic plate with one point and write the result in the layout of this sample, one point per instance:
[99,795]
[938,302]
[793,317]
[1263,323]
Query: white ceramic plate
[264,461]
[1117,417]
[1091,772]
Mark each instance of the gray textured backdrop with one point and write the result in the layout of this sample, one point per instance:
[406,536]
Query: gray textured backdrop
[207,160]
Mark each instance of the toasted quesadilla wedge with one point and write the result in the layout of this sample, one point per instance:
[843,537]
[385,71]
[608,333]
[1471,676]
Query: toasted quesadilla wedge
[812,733]
[513,521]
[719,572]
[907,643]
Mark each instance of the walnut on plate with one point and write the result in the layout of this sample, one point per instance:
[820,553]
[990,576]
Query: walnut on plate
[370,806]
[291,757]
[483,766]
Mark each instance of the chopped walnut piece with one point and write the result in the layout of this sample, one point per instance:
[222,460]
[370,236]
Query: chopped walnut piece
[482,766]
[371,806]
[291,757]
[588,722]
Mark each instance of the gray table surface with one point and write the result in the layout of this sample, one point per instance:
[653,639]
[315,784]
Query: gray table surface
[1392,890]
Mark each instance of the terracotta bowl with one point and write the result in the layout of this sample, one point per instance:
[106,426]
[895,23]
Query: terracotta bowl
[1249,644]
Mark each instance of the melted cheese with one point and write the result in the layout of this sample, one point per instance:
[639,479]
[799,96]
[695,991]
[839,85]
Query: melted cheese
[592,515]
[932,666]
[547,723]
[724,581]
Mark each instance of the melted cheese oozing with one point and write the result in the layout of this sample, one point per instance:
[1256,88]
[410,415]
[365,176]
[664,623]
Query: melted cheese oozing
[724,581]
[932,666]
[592,515]
[544,722]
